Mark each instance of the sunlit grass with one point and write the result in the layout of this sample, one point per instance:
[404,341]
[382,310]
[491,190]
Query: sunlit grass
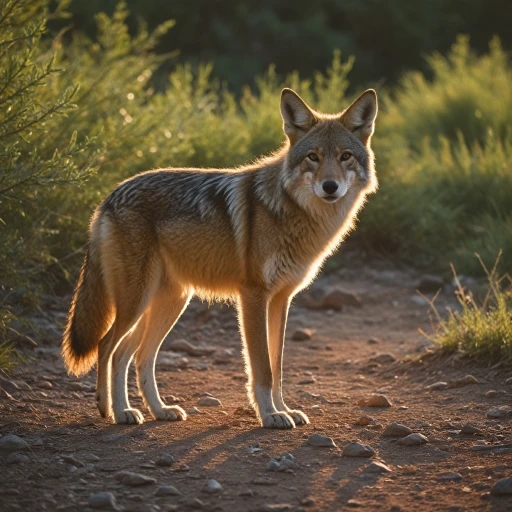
[479,330]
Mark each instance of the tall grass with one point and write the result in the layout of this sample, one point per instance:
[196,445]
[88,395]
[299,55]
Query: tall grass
[480,330]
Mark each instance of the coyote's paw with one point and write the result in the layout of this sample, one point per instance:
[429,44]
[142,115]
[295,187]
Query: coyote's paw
[128,417]
[278,420]
[170,413]
[299,418]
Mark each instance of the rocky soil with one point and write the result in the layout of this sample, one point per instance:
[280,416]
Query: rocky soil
[393,427]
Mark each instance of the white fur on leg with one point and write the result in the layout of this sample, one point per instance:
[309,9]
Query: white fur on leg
[147,382]
[266,410]
[299,418]
[121,360]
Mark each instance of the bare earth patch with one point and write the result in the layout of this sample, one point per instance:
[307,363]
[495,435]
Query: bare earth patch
[220,459]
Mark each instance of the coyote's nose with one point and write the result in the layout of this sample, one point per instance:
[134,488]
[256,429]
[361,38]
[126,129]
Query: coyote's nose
[330,186]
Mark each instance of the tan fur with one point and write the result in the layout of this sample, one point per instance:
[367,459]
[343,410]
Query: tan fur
[255,235]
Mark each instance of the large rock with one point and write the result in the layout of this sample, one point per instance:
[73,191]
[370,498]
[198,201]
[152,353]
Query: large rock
[502,487]
[13,443]
[413,440]
[396,430]
[103,500]
[134,479]
[320,440]
[358,450]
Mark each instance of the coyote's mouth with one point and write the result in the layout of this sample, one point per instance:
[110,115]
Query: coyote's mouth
[330,199]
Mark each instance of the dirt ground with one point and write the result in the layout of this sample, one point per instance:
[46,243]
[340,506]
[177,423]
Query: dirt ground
[73,453]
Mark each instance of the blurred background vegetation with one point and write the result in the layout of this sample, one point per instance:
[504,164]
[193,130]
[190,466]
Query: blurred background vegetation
[92,92]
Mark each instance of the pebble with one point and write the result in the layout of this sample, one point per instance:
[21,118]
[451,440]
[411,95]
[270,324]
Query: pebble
[317,410]
[212,487]
[365,420]
[167,490]
[308,380]
[375,400]
[358,450]
[193,410]
[134,479]
[449,475]
[282,465]
[413,440]
[377,467]
[165,459]
[374,341]
[302,334]
[277,507]
[429,283]
[437,386]
[495,412]
[105,500]
[502,487]
[319,440]
[17,458]
[69,459]
[383,358]
[45,384]
[13,443]
[396,430]
[209,401]
[509,381]
[491,393]
[464,381]
[469,429]
[90,457]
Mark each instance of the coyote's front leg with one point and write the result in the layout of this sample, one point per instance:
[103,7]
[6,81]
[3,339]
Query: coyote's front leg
[277,315]
[253,307]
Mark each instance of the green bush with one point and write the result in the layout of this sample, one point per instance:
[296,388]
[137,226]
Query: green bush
[444,153]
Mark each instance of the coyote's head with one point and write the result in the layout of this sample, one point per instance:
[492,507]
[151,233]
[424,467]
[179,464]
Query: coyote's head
[329,155]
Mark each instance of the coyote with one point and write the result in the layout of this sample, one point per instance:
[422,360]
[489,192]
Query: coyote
[254,235]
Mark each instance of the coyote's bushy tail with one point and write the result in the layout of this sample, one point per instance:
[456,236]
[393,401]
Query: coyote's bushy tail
[90,316]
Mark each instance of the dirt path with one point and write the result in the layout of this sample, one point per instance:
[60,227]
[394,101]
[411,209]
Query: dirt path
[73,453]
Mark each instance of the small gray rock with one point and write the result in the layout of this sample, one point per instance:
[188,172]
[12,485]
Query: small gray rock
[492,393]
[193,410]
[165,460]
[209,401]
[302,334]
[375,400]
[134,479]
[277,507]
[449,476]
[212,487]
[13,443]
[45,384]
[104,500]
[470,429]
[437,386]
[497,412]
[319,440]
[383,358]
[17,458]
[413,440]
[396,430]
[167,490]
[273,465]
[502,487]
[377,467]
[358,450]
[90,457]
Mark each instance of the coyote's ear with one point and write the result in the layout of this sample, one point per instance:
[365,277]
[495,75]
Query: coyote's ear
[298,118]
[359,118]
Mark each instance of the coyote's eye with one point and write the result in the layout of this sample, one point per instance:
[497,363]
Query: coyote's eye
[313,157]
[345,157]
